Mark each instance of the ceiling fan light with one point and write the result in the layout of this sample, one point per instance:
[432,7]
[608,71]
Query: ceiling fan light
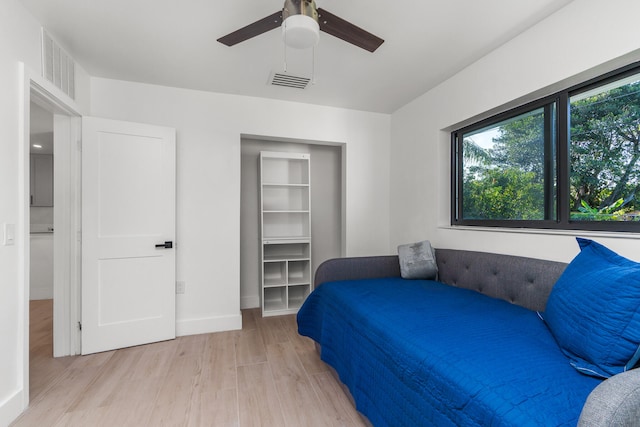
[300,31]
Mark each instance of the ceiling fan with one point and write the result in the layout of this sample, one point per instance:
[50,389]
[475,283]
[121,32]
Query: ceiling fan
[301,22]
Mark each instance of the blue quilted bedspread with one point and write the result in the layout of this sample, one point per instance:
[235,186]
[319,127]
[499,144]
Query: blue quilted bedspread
[419,353]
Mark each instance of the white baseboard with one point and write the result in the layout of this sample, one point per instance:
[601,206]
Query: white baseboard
[250,302]
[208,325]
[11,408]
[40,293]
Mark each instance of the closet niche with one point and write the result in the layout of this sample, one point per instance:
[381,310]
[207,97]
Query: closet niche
[291,220]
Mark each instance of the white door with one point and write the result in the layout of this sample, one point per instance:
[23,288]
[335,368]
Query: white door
[128,213]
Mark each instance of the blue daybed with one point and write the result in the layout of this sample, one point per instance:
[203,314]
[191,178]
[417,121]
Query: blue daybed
[469,349]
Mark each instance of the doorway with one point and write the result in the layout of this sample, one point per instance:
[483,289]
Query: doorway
[41,361]
[61,215]
[66,216]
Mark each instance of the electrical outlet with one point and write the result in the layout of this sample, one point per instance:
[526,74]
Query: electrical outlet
[181,287]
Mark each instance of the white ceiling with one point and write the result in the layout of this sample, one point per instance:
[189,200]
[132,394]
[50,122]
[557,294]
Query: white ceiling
[173,43]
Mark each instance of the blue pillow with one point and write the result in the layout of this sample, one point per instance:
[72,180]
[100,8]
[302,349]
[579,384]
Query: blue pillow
[593,311]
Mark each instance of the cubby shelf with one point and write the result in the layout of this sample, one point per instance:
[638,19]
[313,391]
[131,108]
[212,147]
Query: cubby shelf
[285,222]
[273,184]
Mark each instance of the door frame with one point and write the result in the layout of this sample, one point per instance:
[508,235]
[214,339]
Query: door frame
[67,215]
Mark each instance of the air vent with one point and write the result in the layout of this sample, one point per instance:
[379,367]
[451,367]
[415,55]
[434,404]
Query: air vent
[57,66]
[289,80]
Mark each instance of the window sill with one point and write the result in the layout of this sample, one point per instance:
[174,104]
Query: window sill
[541,231]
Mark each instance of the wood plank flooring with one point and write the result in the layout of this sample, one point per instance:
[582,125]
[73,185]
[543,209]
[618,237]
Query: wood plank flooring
[264,375]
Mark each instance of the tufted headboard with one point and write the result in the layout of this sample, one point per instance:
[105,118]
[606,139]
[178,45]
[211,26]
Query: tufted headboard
[519,280]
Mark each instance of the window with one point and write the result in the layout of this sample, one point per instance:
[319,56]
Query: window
[604,152]
[502,170]
[569,161]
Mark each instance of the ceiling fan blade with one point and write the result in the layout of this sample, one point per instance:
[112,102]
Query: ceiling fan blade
[255,29]
[338,27]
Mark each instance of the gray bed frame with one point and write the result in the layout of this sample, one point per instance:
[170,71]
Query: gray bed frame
[523,281]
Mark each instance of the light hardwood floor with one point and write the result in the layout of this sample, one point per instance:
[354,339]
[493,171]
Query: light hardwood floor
[264,375]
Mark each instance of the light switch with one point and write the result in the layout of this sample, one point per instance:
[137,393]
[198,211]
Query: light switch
[9,234]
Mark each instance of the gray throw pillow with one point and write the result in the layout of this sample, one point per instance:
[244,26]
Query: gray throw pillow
[417,261]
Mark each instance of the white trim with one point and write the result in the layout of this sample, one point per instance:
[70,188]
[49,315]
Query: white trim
[66,280]
[206,325]
[12,407]
[24,244]
[550,231]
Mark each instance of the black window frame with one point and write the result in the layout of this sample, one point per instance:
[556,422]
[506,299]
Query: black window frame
[561,177]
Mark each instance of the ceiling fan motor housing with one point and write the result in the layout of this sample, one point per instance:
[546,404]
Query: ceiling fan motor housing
[300,7]
[300,28]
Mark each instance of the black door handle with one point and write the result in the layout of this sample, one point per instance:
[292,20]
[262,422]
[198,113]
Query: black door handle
[165,245]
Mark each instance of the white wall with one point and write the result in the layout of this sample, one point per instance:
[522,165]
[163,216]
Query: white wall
[582,40]
[41,270]
[209,128]
[19,43]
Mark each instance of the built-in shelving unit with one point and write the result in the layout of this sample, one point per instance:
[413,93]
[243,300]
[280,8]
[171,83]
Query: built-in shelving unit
[285,225]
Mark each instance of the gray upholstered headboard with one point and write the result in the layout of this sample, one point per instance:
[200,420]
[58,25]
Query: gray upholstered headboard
[520,280]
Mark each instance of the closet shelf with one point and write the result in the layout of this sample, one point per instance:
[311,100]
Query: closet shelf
[275,184]
[284,211]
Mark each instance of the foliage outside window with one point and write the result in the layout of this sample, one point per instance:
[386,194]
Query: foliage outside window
[604,152]
[568,161]
[503,169]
